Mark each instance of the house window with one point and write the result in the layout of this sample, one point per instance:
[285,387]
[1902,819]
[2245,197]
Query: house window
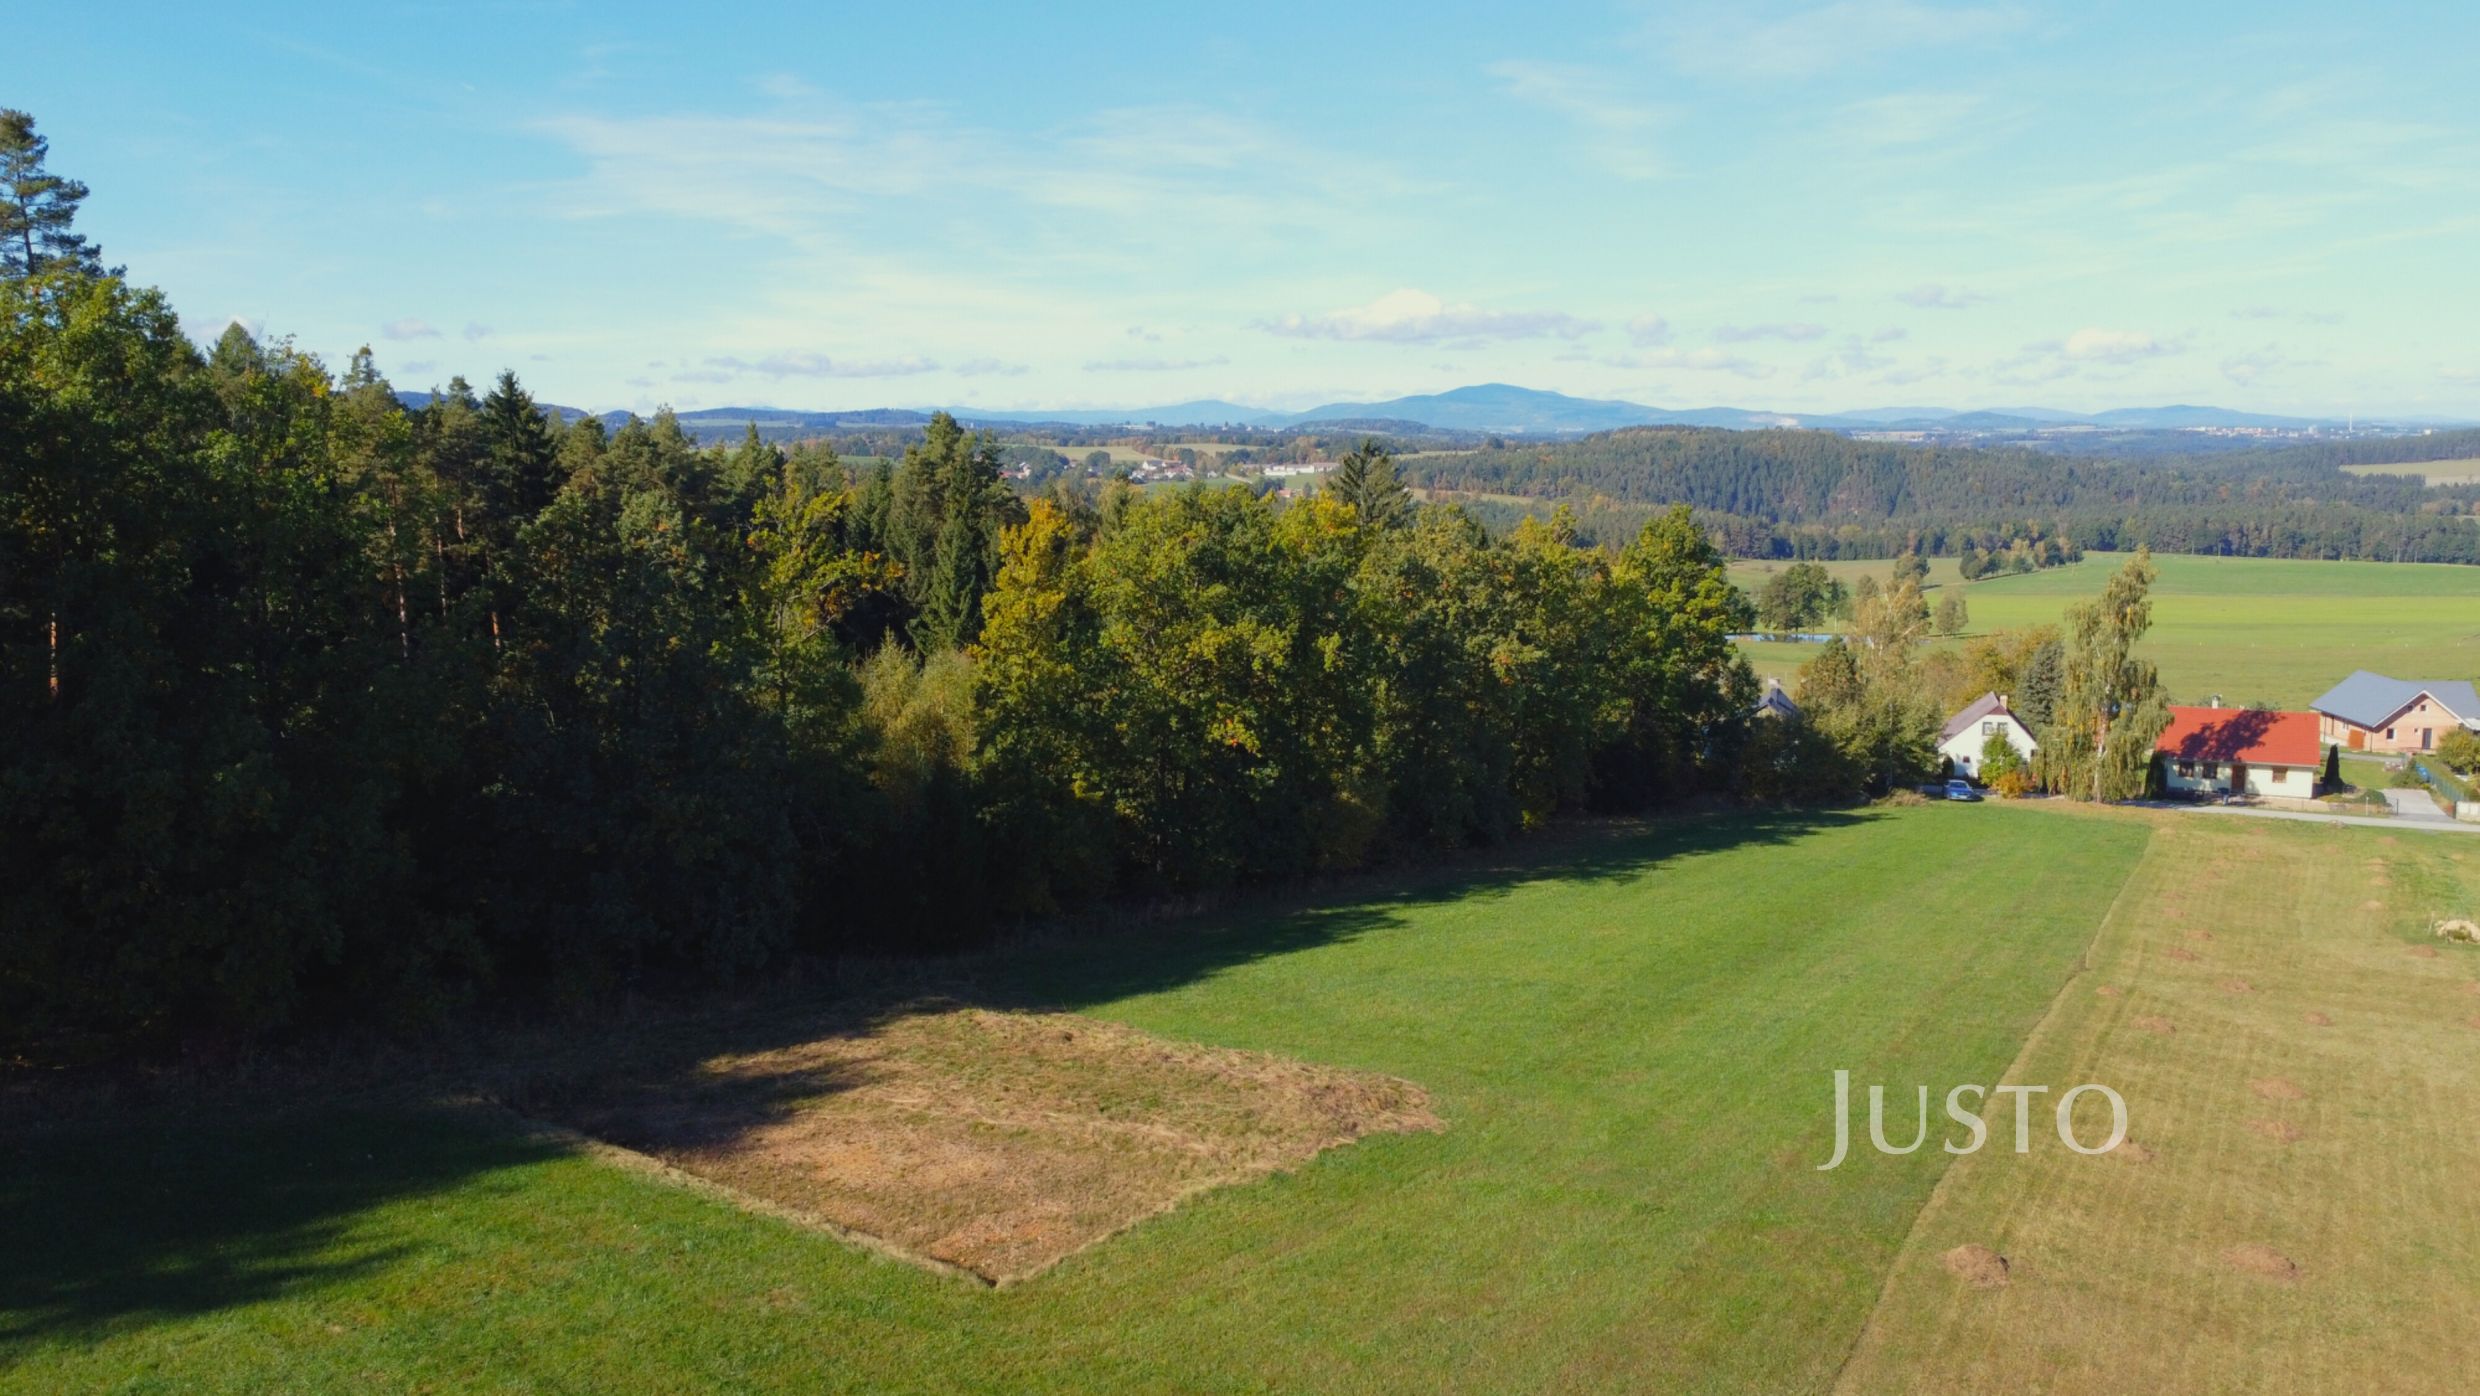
[2187,770]
[1989,729]
[2389,734]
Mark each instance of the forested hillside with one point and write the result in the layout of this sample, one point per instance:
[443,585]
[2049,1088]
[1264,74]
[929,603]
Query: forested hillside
[1810,493]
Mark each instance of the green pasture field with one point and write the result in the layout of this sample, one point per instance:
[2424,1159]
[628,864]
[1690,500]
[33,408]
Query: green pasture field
[2436,472]
[1629,1033]
[2270,630]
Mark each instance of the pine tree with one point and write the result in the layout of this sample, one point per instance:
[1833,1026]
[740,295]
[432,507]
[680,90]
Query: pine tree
[37,207]
[520,464]
[1366,483]
[964,555]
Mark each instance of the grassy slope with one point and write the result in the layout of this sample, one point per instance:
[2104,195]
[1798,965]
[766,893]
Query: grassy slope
[2436,472]
[1630,1035]
[2251,629]
[2122,1282]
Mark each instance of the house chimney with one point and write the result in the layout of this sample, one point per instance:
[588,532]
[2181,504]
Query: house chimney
[2217,700]
[2002,700]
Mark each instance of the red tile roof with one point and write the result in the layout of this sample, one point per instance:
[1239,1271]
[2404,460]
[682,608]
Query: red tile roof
[2241,734]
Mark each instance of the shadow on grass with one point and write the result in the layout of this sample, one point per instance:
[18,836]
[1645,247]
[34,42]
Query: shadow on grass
[134,1222]
[123,1226]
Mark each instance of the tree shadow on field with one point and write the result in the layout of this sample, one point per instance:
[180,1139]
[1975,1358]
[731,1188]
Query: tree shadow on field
[207,1204]
[125,1224]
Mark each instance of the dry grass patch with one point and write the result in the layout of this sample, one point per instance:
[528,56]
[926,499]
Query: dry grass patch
[2306,1222]
[2264,1262]
[1977,1266]
[996,1143]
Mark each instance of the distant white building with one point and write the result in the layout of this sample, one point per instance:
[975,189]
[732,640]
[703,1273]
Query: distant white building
[1967,734]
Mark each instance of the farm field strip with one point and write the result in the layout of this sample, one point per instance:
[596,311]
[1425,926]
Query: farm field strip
[2301,1063]
[2277,631]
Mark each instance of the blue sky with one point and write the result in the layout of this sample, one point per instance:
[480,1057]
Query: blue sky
[1800,206]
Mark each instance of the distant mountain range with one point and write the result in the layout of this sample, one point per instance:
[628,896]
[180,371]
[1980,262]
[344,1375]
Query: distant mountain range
[1483,407]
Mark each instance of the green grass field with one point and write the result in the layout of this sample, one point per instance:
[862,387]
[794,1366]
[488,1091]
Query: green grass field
[2251,629]
[2436,472]
[1629,1033]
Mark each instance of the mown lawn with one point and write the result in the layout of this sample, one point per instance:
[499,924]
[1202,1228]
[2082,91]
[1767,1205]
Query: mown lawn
[2302,1062]
[2269,630]
[1629,1033]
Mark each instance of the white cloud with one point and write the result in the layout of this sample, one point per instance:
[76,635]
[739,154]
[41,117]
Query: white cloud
[1704,361]
[1731,42]
[1904,119]
[811,366]
[988,368]
[1417,317]
[1647,331]
[1853,358]
[2459,376]
[2091,345]
[1790,333]
[2245,369]
[1153,365]
[1933,295]
[409,328]
[1890,334]
[475,330]
[1618,128]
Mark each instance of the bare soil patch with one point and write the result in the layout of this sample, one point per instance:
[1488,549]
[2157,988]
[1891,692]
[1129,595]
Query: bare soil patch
[2277,1088]
[2279,1131]
[2181,954]
[2238,986]
[2262,1261]
[2154,1023]
[2319,1020]
[2199,935]
[2111,991]
[996,1143]
[2424,952]
[2129,1151]
[1977,1266]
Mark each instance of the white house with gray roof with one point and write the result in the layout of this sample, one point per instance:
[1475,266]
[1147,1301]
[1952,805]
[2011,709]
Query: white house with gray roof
[2370,712]
[1967,734]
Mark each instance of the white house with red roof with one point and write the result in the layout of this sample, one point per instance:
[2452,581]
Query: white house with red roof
[1966,735]
[2249,751]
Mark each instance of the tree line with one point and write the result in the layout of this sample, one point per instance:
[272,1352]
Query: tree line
[1814,494]
[326,710]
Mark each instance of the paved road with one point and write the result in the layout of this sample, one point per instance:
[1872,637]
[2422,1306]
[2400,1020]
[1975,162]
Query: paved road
[2440,824]
[2415,804]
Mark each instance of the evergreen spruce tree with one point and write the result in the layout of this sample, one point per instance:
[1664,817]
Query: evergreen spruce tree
[1366,483]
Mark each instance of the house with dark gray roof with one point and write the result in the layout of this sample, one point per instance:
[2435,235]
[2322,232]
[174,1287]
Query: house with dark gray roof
[2370,712]
[1966,735]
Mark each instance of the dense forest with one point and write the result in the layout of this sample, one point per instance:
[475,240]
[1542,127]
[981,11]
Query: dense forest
[324,710]
[1817,494]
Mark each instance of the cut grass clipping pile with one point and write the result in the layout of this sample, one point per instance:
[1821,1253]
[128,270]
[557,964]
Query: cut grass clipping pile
[995,1143]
